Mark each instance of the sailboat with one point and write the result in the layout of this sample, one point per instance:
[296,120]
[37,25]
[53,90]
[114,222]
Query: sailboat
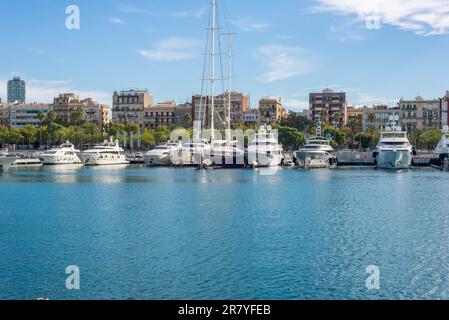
[222,153]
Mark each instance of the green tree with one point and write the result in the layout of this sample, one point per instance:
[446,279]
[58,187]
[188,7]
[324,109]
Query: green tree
[29,134]
[299,122]
[51,117]
[161,135]
[430,138]
[338,136]
[92,132]
[148,138]
[76,116]
[291,138]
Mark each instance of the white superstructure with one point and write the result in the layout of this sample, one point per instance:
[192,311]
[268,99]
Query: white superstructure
[394,150]
[64,154]
[6,160]
[108,153]
[187,154]
[265,150]
[442,149]
[161,155]
[317,153]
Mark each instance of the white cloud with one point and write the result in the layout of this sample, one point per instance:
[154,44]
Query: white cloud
[127,8]
[248,24]
[345,32]
[296,105]
[198,14]
[117,21]
[173,49]
[429,17]
[283,62]
[45,90]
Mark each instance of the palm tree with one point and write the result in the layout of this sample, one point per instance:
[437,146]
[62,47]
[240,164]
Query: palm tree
[76,116]
[41,116]
[372,118]
[336,118]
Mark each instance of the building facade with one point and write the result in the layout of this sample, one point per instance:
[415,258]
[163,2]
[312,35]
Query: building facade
[419,114]
[67,104]
[377,117]
[16,90]
[443,110]
[271,110]
[202,106]
[251,118]
[129,106]
[4,115]
[26,114]
[168,114]
[329,106]
[95,112]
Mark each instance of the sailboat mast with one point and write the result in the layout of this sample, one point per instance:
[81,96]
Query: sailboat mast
[212,78]
[230,34]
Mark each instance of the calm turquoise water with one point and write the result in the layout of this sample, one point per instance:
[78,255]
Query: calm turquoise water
[141,233]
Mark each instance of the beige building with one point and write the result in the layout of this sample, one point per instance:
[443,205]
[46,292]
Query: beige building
[168,114]
[377,117]
[419,114]
[66,104]
[202,105]
[271,110]
[95,112]
[251,118]
[4,115]
[129,106]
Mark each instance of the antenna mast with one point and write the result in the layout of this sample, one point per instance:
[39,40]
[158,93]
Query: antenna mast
[212,78]
[229,34]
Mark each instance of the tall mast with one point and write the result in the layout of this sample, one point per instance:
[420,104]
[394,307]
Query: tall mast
[212,78]
[230,34]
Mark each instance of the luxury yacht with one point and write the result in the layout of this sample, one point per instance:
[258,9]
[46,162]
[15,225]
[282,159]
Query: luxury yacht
[6,160]
[64,154]
[442,149]
[394,150]
[185,156]
[265,150]
[161,155]
[317,153]
[222,154]
[108,153]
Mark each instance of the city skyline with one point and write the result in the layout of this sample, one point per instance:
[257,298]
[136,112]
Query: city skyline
[375,54]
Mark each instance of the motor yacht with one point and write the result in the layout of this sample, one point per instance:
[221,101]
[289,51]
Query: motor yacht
[108,153]
[64,154]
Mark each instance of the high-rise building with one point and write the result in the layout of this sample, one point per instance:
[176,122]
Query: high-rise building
[329,106]
[16,90]
[129,106]
[271,110]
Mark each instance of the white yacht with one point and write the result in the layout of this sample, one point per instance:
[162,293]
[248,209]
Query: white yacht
[64,154]
[6,160]
[185,156]
[222,154]
[442,149]
[394,150]
[161,155]
[265,150]
[108,153]
[317,153]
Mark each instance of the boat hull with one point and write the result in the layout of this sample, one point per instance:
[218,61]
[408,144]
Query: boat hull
[264,160]
[59,160]
[157,160]
[394,159]
[101,160]
[6,162]
[315,160]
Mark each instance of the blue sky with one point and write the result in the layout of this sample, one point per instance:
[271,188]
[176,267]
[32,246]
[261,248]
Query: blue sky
[283,48]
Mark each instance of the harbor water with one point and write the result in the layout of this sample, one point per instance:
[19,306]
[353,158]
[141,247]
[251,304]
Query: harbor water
[164,233]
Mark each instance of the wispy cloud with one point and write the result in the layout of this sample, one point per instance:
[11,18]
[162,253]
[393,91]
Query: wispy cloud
[296,104]
[36,50]
[283,62]
[430,17]
[345,32]
[116,21]
[249,24]
[173,49]
[127,8]
[197,14]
